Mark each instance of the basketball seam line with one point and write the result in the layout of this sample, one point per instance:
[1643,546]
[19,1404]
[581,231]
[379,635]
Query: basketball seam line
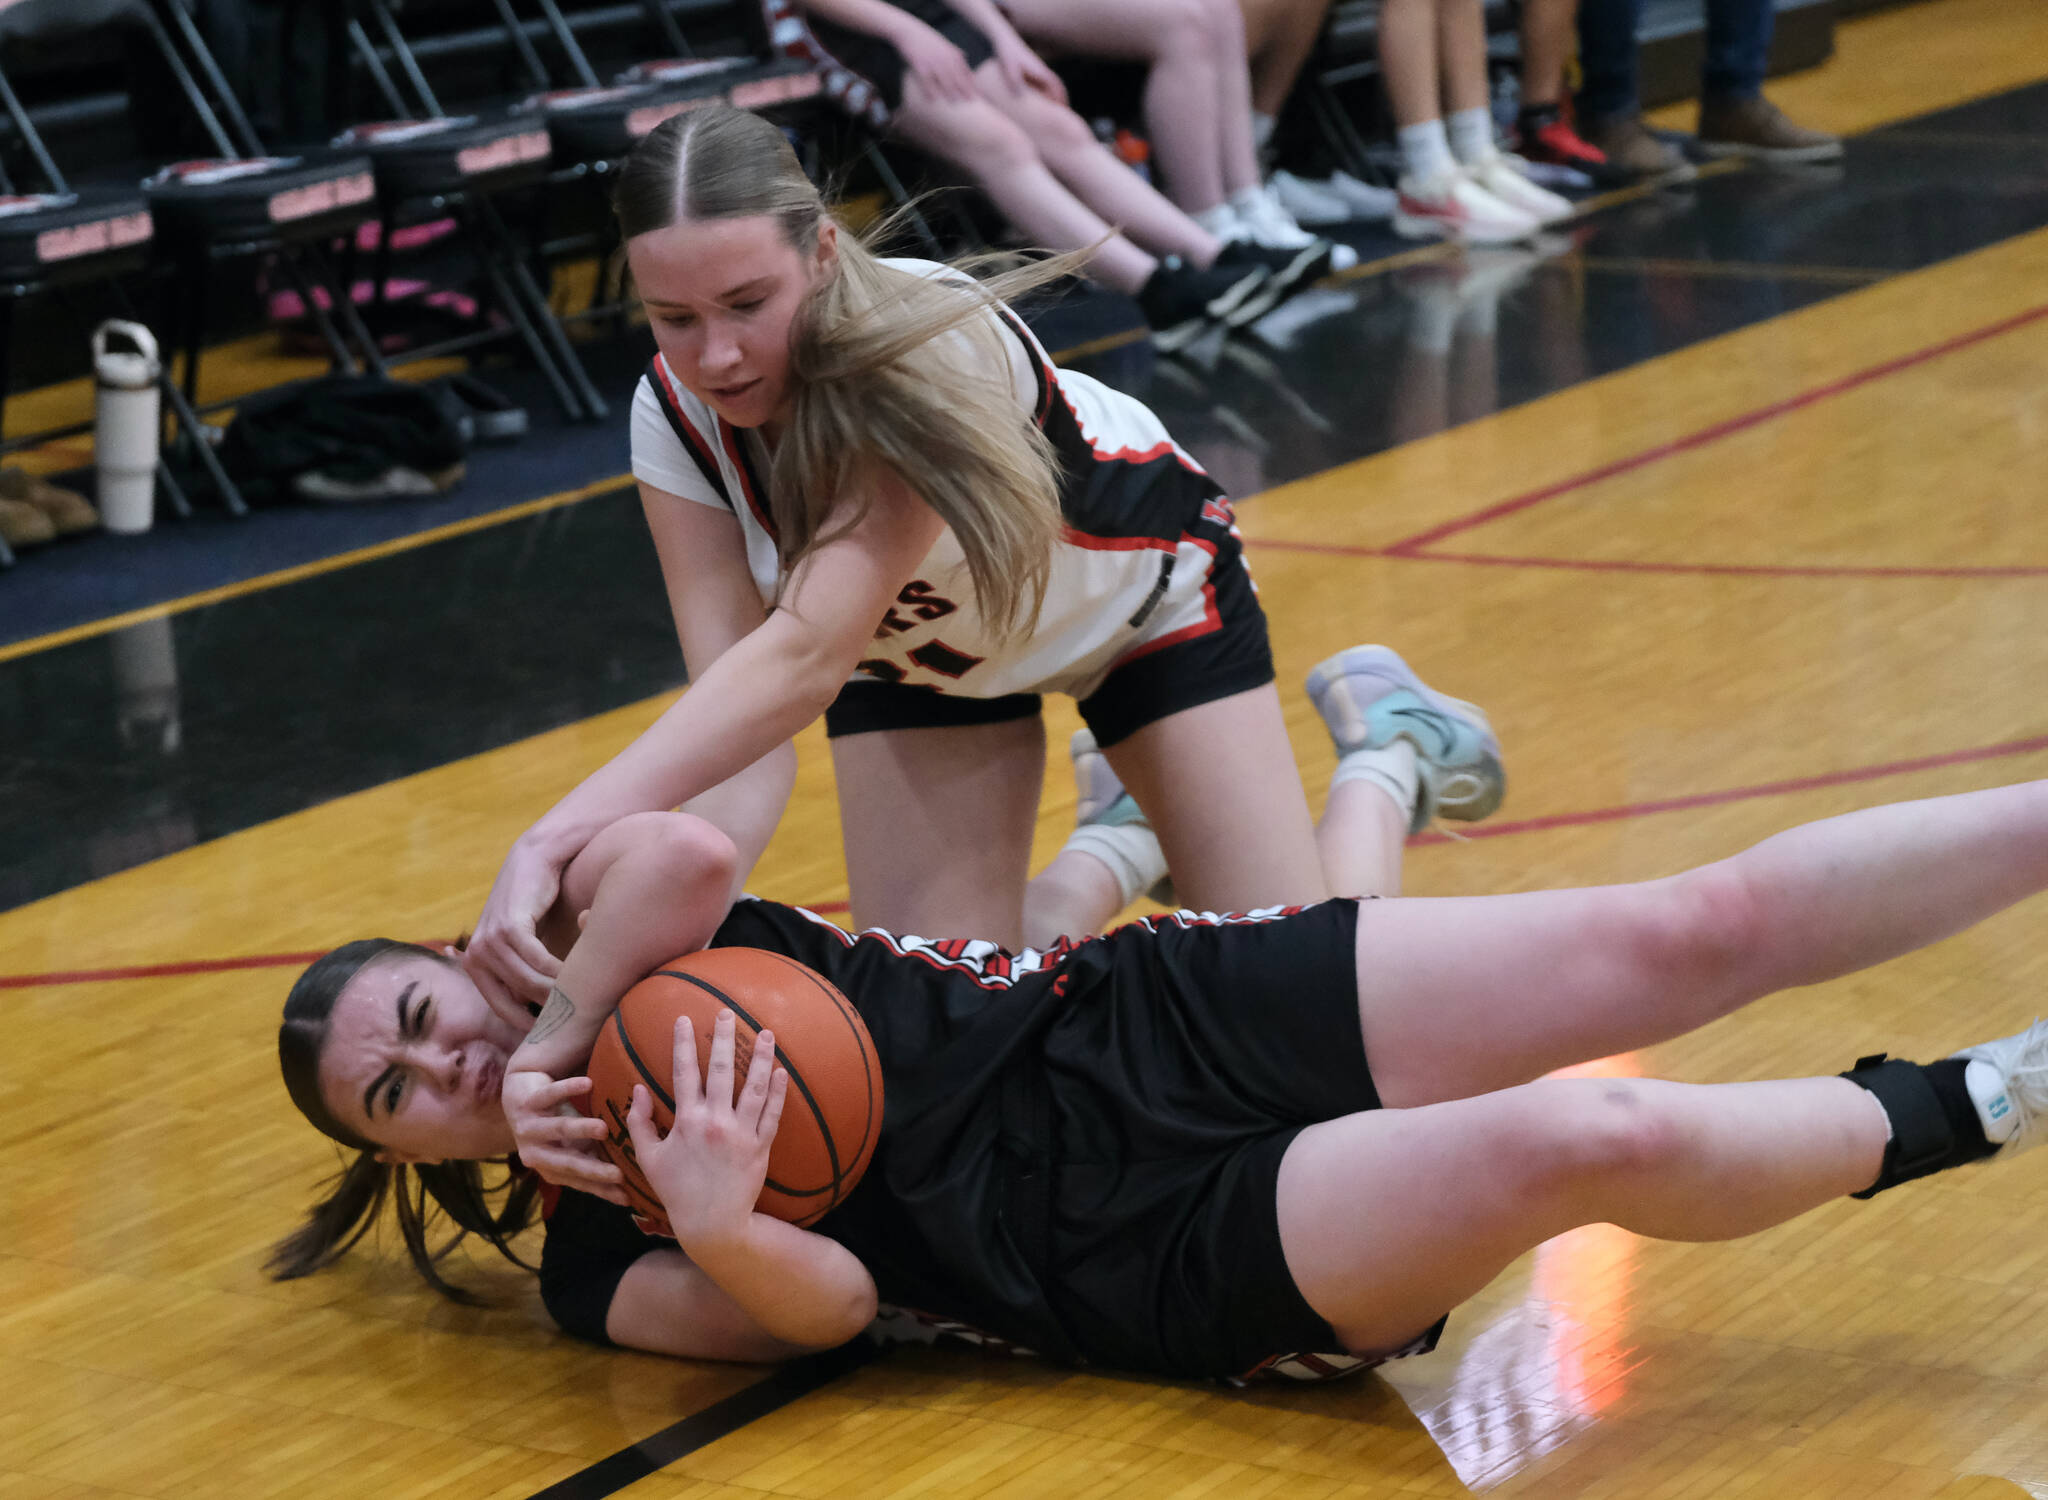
[851,1015]
[796,1078]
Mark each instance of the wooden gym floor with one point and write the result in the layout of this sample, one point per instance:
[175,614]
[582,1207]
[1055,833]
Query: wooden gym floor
[1734,582]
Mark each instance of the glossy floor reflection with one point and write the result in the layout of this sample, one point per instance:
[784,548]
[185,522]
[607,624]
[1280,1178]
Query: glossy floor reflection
[1729,526]
[414,659]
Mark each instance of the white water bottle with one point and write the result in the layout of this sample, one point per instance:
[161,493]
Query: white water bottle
[126,425]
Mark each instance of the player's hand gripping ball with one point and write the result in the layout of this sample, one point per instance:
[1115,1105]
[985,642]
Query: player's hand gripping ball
[832,1115]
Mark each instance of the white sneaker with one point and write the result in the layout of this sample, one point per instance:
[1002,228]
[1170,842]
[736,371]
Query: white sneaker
[1505,177]
[1264,220]
[1453,206]
[2022,1062]
[1313,205]
[1369,697]
[1367,202]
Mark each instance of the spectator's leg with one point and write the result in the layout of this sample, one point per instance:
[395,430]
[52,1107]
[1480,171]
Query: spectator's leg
[1738,48]
[1546,43]
[1002,161]
[1735,117]
[1186,95]
[1279,35]
[1095,177]
[1607,59]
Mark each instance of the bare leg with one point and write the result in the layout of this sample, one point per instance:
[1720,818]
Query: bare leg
[1187,94]
[1085,166]
[1218,783]
[907,798]
[1362,838]
[1408,58]
[1461,53]
[1547,29]
[1465,995]
[1075,896]
[1381,1249]
[1279,35]
[1000,158]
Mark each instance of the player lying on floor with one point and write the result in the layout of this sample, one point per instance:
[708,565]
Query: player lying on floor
[1197,1143]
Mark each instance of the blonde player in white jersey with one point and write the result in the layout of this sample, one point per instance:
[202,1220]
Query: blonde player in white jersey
[875,499]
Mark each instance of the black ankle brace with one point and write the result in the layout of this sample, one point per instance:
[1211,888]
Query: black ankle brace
[1934,1124]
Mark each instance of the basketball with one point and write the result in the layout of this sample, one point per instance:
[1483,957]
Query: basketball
[832,1116]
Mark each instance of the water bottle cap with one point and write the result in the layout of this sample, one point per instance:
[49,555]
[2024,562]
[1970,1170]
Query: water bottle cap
[132,369]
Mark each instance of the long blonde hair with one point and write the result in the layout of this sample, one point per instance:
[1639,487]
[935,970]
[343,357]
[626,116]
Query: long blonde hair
[872,381]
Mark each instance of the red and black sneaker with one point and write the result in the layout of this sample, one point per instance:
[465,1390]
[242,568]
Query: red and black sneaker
[1547,135]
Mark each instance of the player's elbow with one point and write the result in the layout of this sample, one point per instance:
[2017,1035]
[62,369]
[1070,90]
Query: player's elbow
[695,853]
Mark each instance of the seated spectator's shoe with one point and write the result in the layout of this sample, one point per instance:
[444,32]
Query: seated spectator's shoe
[1451,206]
[1289,271]
[22,525]
[1101,802]
[1627,143]
[1181,302]
[1502,176]
[1554,142]
[1756,128]
[1265,222]
[2022,1098]
[1369,698]
[1369,202]
[70,513]
[1311,204]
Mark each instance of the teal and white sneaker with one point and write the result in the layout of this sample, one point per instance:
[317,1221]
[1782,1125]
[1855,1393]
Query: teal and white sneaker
[1369,698]
[2020,1095]
[1102,802]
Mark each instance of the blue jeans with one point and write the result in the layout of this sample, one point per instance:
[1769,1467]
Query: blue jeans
[1738,49]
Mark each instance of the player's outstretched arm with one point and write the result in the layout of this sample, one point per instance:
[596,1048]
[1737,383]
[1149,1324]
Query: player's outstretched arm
[645,890]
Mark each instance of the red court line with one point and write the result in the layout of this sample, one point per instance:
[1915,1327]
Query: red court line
[1741,793]
[1713,434]
[1632,565]
[2030,746]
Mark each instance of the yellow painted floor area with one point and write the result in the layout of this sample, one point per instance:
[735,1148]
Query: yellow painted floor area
[1896,1348]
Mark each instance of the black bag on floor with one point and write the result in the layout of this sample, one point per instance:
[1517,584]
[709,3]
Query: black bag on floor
[345,438]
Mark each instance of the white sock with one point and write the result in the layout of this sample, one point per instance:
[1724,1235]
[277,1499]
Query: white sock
[1426,150]
[1129,851]
[1221,221]
[1471,136]
[1994,1105]
[1262,129]
[1391,768]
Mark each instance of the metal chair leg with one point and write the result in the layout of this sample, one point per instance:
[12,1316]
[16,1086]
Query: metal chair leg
[549,327]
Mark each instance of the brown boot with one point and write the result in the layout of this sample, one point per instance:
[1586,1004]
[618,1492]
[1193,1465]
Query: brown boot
[24,526]
[69,512]
[1629,147]
[1756,128]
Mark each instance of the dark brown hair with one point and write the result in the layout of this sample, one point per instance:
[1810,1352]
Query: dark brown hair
[356,1194]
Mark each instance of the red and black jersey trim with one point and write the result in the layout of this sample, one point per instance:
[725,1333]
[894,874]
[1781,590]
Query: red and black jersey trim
[1113,499]
[693,441]
[750,478]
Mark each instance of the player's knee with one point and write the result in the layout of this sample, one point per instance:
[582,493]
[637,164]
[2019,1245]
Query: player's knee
[1189,25]
[1589,1133]
[1703,926]
[1062,133]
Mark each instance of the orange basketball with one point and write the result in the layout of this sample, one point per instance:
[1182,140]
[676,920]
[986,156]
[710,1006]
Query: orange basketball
[832,1115]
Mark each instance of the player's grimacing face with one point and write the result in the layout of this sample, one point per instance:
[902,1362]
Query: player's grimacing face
[721,295]
[414,1059]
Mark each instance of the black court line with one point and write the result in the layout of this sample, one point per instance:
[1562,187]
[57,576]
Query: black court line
[793,1381]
